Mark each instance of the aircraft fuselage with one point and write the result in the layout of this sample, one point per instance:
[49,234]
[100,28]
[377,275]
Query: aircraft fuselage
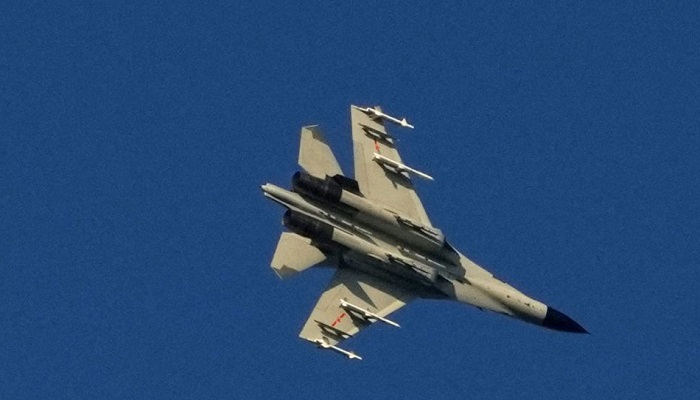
[365,236]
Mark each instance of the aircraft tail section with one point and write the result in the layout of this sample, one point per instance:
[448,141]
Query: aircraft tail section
[294,254]
[315,156]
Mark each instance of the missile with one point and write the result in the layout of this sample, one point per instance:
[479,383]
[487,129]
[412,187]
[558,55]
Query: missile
[399,167]
[379,114]
[366,314]
[325,345]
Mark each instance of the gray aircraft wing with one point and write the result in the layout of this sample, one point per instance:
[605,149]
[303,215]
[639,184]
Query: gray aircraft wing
[379,171]
[352,301]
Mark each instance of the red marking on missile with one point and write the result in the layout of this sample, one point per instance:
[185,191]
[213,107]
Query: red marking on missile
[376,146]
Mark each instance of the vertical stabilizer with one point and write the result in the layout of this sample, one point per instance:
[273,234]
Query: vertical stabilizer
[315,156]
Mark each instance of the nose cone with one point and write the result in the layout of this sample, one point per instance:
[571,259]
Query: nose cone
[559,321]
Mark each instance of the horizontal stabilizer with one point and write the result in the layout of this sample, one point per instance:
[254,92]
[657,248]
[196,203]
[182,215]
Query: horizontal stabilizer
[294,254]
[315,156]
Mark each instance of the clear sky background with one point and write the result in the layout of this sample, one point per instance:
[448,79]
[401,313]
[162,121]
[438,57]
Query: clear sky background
[135,242]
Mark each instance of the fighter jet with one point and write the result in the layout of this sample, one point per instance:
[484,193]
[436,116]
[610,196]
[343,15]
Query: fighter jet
[375,232]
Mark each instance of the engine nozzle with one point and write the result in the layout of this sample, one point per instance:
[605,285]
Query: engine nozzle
[326,189]
[307,226]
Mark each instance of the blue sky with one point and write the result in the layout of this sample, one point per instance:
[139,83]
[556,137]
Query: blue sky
[563,136]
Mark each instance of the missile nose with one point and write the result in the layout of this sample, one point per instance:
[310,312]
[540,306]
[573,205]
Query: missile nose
[557,320]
